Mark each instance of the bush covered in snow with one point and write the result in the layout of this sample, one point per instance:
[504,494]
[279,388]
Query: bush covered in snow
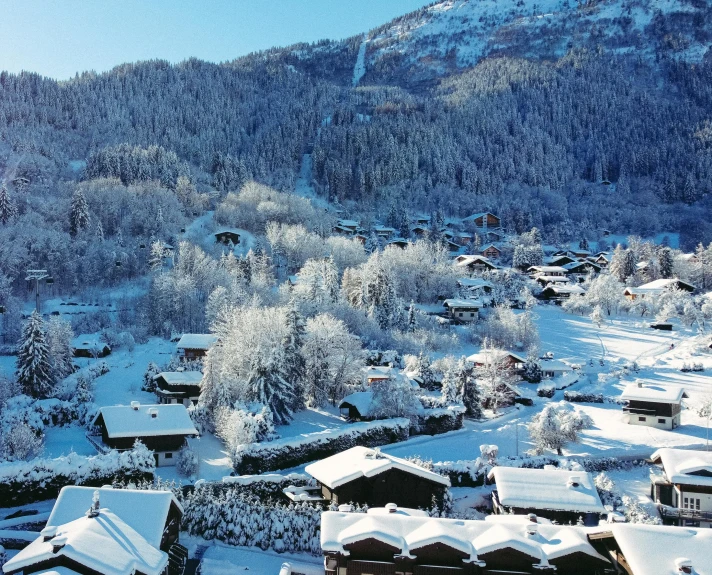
[41,413]
[286,453]
[188,463]
[583,397]
[39,479]
[547,390]
[628,506]
[20,442]
[237,519]
[555,426]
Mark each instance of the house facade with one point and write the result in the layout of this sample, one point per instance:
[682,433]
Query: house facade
[227,237]
[652,405]
[364,475]
[161,428]
[683,489]
[395,541]
[463,310]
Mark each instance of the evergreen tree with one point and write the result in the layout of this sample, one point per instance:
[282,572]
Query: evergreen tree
[629,264]
[293,366]
[59,344]
[8,209]
[34,370]
[330,280]
[468,392]
[411,317]
[532,369]
[665,263]
[79,215]
[450,390]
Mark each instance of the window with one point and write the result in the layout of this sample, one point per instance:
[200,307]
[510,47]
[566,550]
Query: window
[661,421]
[168,456]
[472,314]
[686,503]
[642,419]
[459,314]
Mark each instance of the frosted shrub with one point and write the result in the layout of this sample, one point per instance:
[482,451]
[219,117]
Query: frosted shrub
[188,463]
[21,442]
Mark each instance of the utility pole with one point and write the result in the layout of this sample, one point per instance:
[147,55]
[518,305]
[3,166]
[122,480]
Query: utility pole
[37,276]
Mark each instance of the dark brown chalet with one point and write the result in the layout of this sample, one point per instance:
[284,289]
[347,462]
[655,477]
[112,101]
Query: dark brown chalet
[162,428]
[194,346]
[107,532]
[395,541]
[483,220]
[227,237]
[363,475]
[178,387]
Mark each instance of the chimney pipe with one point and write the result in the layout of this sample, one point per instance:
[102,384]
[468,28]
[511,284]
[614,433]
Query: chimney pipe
[391,507]
[135,405]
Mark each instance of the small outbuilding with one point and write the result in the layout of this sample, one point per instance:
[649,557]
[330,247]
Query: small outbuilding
[90,345]
[653,405]
[227,237]
[368,476]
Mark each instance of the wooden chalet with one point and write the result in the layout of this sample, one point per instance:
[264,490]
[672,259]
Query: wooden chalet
[226,237]
[558,495]
[683,489]
[483,220]
[384,232]
[657,287]
[558,292]
[652,405]
[106,531]
[463,310]
[506,359]
[559,261]
[90,345]
[161,428]
[367,476]
[491,251]
[193,346]
[178,387]
[394,541]
[582,267]
[475,263]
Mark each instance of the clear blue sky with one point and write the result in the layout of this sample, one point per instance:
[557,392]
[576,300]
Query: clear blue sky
[60,37]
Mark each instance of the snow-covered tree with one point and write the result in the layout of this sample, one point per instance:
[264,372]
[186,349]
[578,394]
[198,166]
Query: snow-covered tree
[393,397]
[8,210]
[59,343]
[555,426]
[666,263]
[79,213]
[149,382]
[34,368]
[597,315]
[468,391]
[450,384]
[532,369]
[188,463]
[494,376]
[20,442]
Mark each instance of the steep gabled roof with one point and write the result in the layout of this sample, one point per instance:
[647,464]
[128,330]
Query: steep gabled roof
[104,543]
[361,461]
[197,341]
[180,377]
[653,393]
[685,466]
[130,421]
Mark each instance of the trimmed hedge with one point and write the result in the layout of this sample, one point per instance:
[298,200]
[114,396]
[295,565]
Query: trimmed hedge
[286,453]
[25,482]
[438,421]
[582,397]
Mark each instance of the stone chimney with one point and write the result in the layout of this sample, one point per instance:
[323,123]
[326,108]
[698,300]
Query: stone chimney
[135,405]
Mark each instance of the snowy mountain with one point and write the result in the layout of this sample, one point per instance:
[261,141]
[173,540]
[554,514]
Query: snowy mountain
[448,36]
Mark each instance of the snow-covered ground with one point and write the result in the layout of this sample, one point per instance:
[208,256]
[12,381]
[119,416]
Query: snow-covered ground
[360,66]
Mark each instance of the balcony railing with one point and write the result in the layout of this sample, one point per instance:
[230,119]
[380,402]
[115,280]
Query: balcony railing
[667,512]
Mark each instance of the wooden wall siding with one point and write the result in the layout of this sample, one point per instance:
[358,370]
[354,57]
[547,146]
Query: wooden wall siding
[370,568]
[171,531]
[508,559]
[439,554]
[661,409]
[392,486]
[371,550]
[435,570]
[561,517]
[579,564]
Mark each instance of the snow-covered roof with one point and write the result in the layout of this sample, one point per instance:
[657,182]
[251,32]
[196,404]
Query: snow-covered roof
[654,393]
[467,260]
[380,371]
[546,489]
[555,365]
[658,286]
[570,289]
[88,341]
[361,461]
[408,532]
[180,377]
[573,265]
[552,279]
[139,421]
[348,223]
[474,217]
[196,341]
[657,549]
[361,400]
[548,269]
[462,303]
[144,511]
[104,544]
[684,466]
[474,283]
[482,357]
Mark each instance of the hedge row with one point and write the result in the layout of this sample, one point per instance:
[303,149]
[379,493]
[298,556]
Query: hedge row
[25,482]
[583,397]
[286,453]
